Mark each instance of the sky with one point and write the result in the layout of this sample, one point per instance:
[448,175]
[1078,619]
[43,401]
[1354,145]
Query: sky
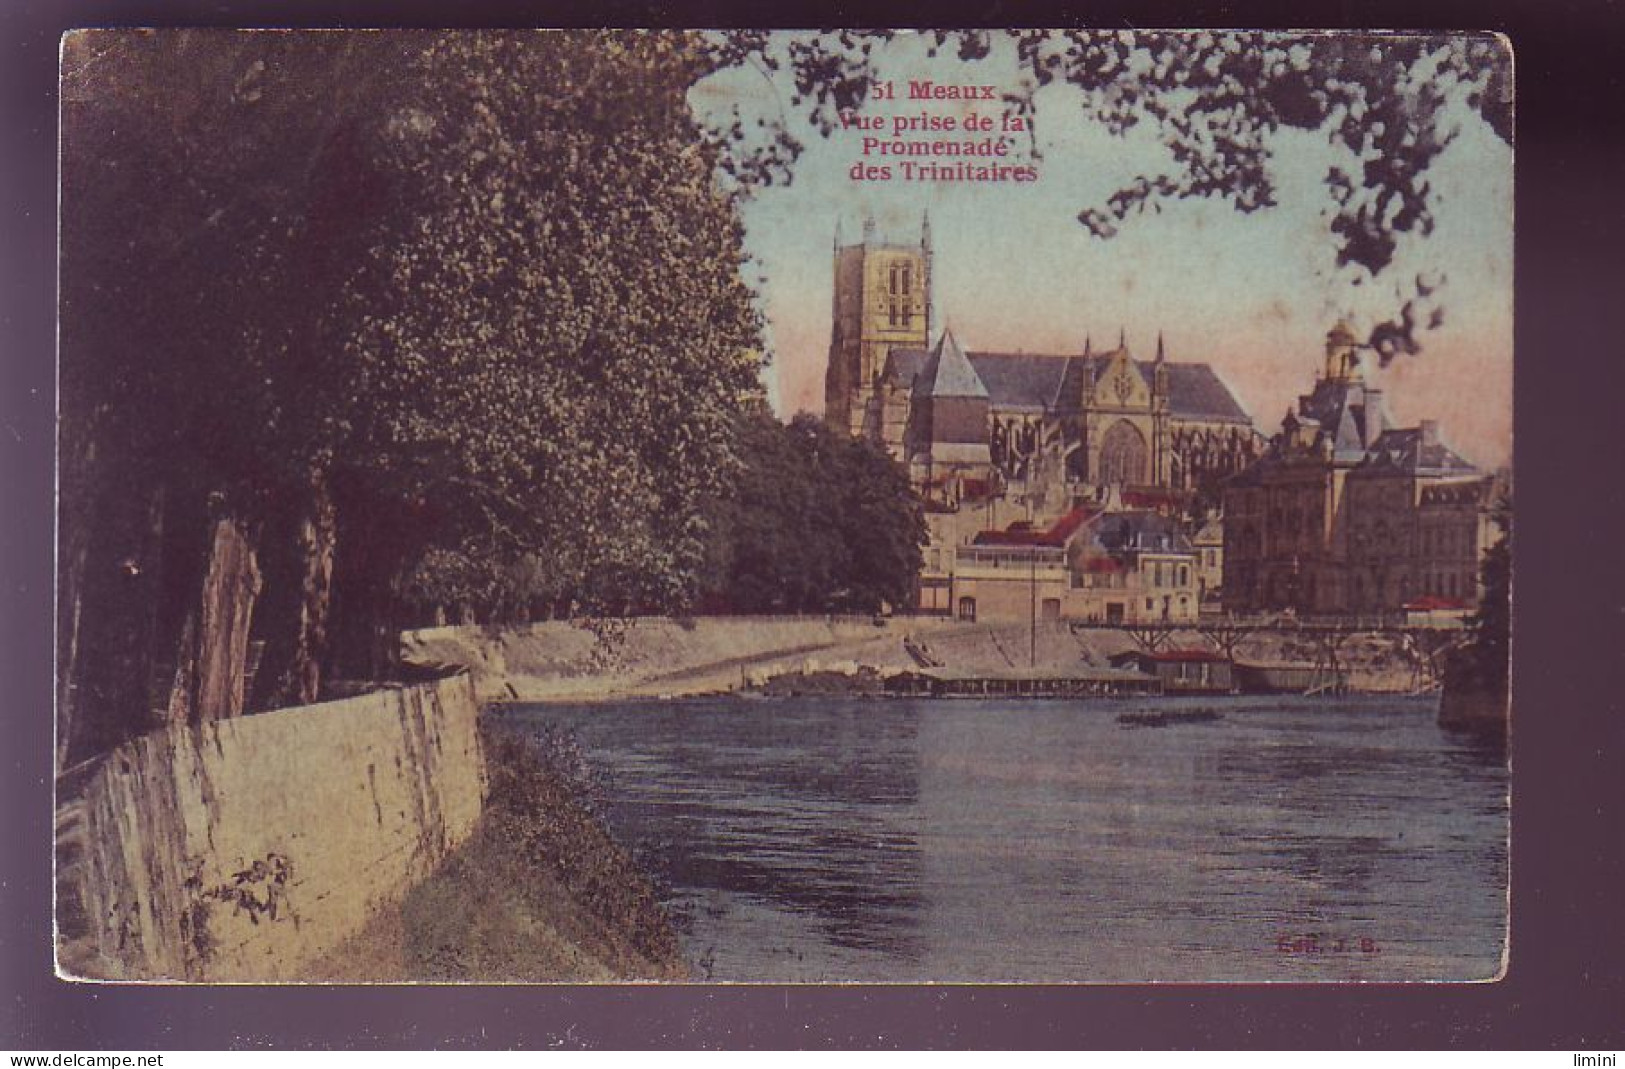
[1253,295]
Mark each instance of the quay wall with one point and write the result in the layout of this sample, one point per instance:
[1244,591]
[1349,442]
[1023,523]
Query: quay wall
[560,660]
[246,848]
[657,656]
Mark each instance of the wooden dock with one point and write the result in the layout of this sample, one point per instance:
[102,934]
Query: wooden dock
[1081,682]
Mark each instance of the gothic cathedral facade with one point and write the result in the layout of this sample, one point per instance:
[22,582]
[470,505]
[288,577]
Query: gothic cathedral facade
[969,424]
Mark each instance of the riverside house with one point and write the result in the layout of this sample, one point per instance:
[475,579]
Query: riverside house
[1119,567]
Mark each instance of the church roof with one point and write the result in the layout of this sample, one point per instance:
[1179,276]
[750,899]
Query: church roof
[1043,382]
[958,453]
[1413,451]
[1195,391]
[948,373]
[1021,380]
[903,366]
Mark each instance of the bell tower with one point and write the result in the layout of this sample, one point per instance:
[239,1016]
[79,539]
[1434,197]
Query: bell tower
[882,301]
[1343,355]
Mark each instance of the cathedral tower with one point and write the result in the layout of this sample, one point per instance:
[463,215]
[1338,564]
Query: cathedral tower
[882,301]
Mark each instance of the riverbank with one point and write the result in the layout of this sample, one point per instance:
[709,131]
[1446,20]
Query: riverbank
[655,657]
[539,893]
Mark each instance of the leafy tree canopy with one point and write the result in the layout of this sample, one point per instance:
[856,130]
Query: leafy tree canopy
[817,521]
[476,295]
[1218,102]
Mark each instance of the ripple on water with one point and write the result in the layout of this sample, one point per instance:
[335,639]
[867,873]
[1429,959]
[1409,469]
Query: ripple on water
[836,839]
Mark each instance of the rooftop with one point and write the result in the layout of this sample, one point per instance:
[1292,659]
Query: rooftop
[948,374]
[1039,382]
[1021,533]
[1413,451]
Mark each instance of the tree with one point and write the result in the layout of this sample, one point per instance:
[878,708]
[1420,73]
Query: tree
[366,321]
[560,342]
[882,527]
[1483,664]
[817,521]
[1218,101]
[206,184]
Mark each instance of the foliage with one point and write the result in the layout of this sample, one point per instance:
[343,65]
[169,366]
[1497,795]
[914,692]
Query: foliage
[207,184]
[483,287]
[477,298]
[818,522]
[541,891]
[554,353]
[1481,665]
[1484,663]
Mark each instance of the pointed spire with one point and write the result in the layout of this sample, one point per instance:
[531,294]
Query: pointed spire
[1122,338]
[837,231]
[925,229]
[1160,356]
[1088,346]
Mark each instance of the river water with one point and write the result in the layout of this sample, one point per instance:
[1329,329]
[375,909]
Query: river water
[828,839]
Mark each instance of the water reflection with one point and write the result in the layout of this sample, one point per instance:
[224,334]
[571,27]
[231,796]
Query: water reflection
[827,839]
[776,809]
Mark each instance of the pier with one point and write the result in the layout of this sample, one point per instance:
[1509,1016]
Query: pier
[1024,683]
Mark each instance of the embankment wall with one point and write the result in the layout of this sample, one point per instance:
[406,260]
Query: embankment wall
[559,660]
[245,848]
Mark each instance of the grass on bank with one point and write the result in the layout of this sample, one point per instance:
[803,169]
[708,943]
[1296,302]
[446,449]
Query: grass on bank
[539,893]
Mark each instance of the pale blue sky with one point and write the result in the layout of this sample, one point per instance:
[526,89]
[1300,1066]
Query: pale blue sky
[1251,294]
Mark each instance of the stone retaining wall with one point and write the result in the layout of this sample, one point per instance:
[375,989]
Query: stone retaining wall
[245,848]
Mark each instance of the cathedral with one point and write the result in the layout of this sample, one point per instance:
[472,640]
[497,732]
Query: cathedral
[971,424]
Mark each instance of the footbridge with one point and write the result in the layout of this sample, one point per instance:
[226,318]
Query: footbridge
[1424,637]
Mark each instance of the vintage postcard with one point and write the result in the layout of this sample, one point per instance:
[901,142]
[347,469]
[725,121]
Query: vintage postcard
[829,507]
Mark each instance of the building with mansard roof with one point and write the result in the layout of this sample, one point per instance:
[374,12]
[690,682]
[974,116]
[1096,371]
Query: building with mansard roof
[1346,513]
[970,424]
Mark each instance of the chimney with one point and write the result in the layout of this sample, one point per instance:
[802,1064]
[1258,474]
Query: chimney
[1429,430]
[1375,416]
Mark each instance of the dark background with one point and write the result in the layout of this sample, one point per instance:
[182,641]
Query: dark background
[1566,986]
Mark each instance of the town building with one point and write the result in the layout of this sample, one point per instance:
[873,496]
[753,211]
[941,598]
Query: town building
[1208,545]
[1345,513]
[1182,671]
[1109,566]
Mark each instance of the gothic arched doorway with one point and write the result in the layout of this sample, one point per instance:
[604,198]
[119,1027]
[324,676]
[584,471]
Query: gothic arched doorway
[1122,455]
